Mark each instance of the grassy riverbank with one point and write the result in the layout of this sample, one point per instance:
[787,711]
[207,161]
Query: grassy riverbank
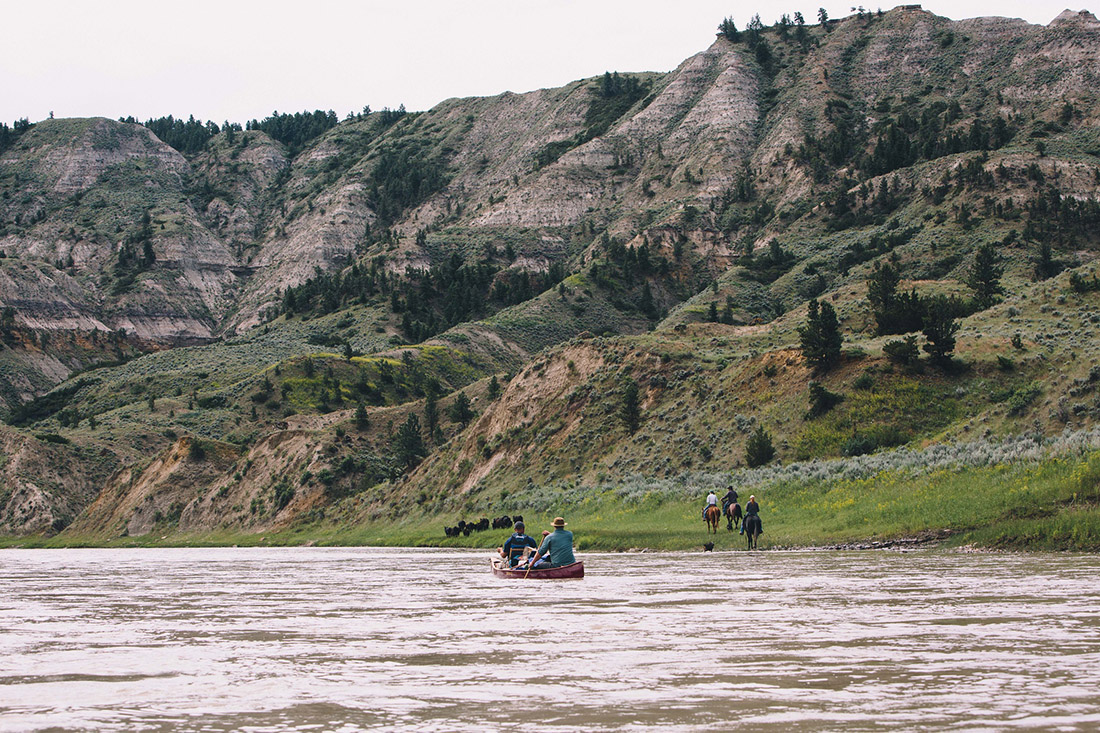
[1052,504]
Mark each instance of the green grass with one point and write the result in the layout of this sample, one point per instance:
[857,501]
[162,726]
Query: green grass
[1051,505]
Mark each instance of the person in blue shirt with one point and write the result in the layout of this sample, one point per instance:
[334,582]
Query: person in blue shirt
[513,547]
[557,548]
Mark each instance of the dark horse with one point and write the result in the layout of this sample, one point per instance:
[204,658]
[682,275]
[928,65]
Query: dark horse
[753,528]
[733,516]
[712,515]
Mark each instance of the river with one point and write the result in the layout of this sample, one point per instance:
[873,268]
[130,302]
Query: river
[353,639]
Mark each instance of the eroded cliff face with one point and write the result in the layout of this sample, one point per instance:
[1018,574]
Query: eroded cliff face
[204,486]
[104,205]
[107,229]
[240,222]
[44,485]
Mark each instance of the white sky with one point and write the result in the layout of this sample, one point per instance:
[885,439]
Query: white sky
[238,60]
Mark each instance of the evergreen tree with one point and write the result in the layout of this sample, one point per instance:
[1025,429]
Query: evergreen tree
[984,277]
[940,328]
[362,420]
[823,18]
[647,306]
[820,336]
[729,29]
[431,411]
[461,411]
[494,388]
[759,450]
[408,443]
[1045,265]
[893,313]
[630,411]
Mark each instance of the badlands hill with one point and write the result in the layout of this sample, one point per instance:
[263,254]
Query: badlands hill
[233,336]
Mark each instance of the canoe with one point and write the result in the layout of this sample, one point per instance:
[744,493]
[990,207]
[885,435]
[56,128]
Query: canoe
[573,570]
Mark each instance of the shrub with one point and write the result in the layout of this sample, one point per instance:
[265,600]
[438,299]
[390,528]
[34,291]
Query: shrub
[821,400]
[284,492]
[864,381]
[904,351]
[859,445]
[1023,397]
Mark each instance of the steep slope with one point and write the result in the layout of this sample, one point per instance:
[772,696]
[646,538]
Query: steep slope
[399,262]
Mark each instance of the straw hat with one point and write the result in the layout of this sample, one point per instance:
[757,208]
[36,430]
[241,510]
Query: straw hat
[558,523]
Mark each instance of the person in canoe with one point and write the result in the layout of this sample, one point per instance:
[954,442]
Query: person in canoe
[514,546]
[556,549]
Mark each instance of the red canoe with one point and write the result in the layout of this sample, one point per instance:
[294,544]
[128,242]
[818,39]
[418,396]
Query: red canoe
[573,570]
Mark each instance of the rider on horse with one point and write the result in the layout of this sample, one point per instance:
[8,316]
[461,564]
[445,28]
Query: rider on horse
[752,509]
[729,498]
[712,500]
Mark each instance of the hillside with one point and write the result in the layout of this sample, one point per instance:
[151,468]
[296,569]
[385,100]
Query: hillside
[254,335]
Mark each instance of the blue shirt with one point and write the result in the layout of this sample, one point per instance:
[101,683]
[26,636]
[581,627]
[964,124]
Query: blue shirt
[559,545]
[513,548]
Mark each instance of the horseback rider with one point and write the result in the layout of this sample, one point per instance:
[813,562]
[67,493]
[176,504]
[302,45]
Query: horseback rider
[712,500]
[729,498]
[752,509]
[513,547]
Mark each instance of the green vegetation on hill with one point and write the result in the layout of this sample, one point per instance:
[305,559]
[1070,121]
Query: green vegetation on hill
[807,259]
[611,98]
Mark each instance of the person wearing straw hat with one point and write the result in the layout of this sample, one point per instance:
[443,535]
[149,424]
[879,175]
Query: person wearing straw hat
[557,547]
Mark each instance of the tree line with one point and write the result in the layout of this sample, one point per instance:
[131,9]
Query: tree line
[191,136]
[9,135]
[429,301]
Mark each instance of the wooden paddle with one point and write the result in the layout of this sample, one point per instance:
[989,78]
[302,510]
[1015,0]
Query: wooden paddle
[527,556]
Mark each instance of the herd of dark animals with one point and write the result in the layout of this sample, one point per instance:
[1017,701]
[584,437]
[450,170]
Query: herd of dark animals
[464,528]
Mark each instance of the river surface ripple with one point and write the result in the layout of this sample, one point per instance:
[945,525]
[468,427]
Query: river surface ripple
[352,639]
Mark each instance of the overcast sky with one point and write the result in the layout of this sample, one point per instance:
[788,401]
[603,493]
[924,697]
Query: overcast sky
[227,59]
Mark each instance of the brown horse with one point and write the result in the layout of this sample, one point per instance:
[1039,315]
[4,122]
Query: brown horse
[733,516]
[712,515]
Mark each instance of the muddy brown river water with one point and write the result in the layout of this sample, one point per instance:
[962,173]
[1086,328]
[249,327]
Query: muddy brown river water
[355,639]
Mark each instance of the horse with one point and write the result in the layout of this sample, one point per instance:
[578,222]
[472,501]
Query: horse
[712,515]
[733,516]
[753,528]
